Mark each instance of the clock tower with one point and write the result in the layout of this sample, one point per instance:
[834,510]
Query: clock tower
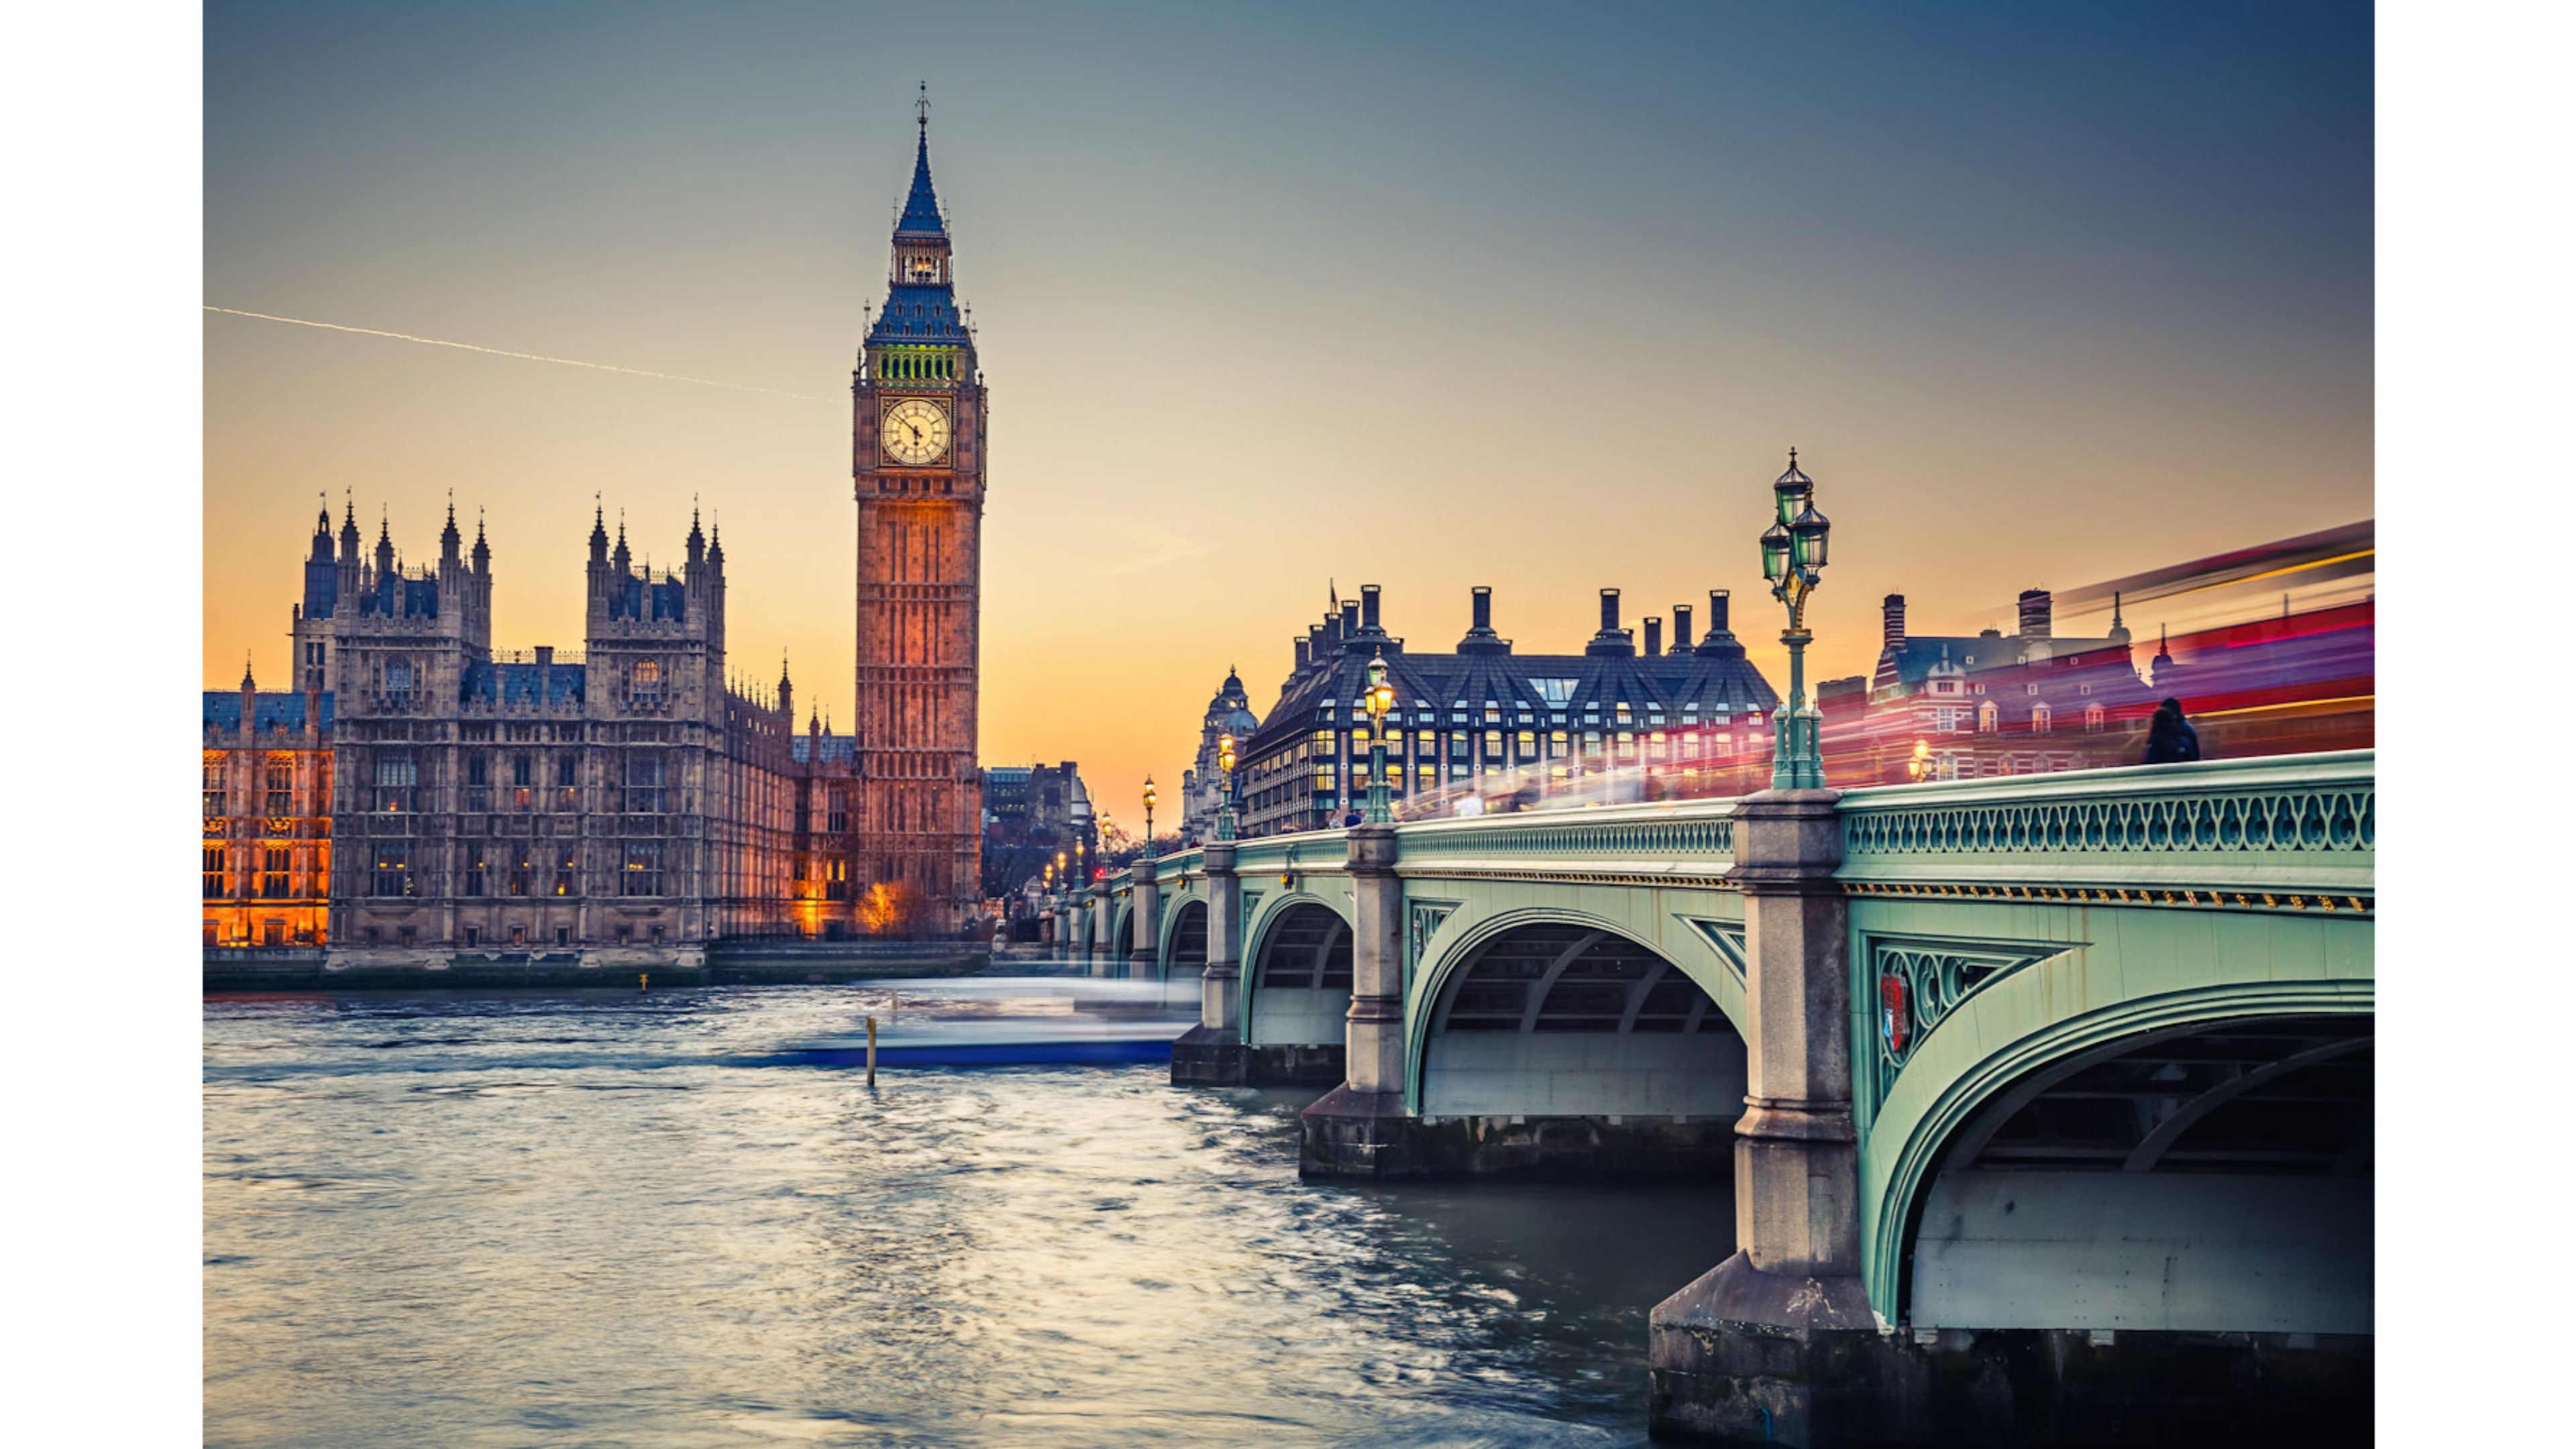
[917,457]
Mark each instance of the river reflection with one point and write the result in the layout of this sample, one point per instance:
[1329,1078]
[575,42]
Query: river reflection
[579,1219]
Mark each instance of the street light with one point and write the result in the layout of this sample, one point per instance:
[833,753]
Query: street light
[1378,699]
[1921,763]
[1149,817]
[1793,557]
[1225,787]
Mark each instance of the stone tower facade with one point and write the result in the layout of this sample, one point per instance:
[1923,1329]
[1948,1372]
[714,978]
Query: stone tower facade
[917,460]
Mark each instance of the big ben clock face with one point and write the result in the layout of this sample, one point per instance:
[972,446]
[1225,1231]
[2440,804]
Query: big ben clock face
[916,431]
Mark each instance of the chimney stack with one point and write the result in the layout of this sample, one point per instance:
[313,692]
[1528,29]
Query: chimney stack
[1368,610]
[1481,638]
[1301,655]
[1612,639]
[1654,635]
[1718,643]
[1350,620]
[1891,612]
[1682,640]
[2034,614]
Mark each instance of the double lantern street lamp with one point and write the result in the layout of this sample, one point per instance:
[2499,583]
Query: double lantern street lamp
[1379,699]
[1149,817]
[1793,557]
[1225,786]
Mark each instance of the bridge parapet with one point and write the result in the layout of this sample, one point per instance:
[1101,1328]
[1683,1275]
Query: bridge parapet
[2300,831]
[1691,842]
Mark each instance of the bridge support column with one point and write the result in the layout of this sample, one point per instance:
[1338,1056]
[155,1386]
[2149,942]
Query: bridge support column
[1211,1053]
[1104,914]
[1361,1128]
[1144,909]
[1761,1348]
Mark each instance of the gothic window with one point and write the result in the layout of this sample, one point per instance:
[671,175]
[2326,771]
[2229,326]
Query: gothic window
[644,682]
[474,863]
[567,867]
[644,794]
[643,873]
[281,785]
[837,815]
[568,781]
[212,769]
[397,780]
[392,875]
[212,882]
[275,867]
[523,867]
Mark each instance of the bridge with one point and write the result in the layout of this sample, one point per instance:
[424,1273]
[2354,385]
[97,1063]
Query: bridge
[2046,1100]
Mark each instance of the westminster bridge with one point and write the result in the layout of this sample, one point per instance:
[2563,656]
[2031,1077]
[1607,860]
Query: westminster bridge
[2046,1100]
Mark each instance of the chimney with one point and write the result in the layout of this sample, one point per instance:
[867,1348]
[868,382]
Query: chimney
[1612,639]
[1654,635]
[1368,610]
[1682,640]
[1891,612]
[1301,656]
[1481,638]
[1718,643]
[1350,620]
[2034,614]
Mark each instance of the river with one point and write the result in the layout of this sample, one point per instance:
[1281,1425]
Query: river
[609,1218]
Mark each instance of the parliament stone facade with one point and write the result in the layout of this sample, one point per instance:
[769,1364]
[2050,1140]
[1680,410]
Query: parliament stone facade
[419,797]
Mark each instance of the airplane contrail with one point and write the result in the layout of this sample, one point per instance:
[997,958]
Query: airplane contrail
[505,352]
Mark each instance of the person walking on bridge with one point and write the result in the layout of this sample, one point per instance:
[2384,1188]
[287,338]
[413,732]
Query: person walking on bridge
[2170,738]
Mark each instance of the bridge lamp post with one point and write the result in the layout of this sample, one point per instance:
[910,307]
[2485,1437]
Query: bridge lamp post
[1378,699]
[1793,560]
[1149,817]
[1225,787]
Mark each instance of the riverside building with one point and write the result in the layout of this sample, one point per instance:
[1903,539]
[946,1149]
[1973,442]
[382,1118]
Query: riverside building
[1697,710]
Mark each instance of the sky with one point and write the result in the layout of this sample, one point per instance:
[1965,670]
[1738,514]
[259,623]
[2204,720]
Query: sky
[1272,300]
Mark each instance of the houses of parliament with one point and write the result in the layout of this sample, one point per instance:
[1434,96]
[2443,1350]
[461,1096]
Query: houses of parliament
[418,795]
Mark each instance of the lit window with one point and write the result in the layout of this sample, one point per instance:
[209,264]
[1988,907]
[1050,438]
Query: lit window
[644,682]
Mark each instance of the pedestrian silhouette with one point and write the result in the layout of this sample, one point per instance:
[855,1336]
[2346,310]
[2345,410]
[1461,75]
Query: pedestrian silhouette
[2170,738]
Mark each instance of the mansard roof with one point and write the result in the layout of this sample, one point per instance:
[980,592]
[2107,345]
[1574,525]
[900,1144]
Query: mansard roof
[273,711]
[396,595]
[837,749]
[923,314]
[1545,685]
[643,598]
[517,684]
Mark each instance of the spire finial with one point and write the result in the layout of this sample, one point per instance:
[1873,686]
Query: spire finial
[921,109]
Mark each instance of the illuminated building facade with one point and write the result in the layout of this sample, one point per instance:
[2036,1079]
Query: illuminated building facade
[1692,716]
[630,803]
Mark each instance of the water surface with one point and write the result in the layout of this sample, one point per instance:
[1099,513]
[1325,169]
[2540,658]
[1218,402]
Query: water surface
[602,1219]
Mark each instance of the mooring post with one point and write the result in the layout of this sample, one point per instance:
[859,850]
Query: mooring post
[872,1051]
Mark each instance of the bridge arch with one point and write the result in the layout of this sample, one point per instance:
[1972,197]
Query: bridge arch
[1297,973]
[2198,1158]
[1122,931]
[1564,1014]
[1183,949]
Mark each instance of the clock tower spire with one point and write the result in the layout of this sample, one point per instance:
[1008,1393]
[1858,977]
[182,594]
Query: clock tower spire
[917,462]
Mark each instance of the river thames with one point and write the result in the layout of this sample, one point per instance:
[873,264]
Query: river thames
[608,1218]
